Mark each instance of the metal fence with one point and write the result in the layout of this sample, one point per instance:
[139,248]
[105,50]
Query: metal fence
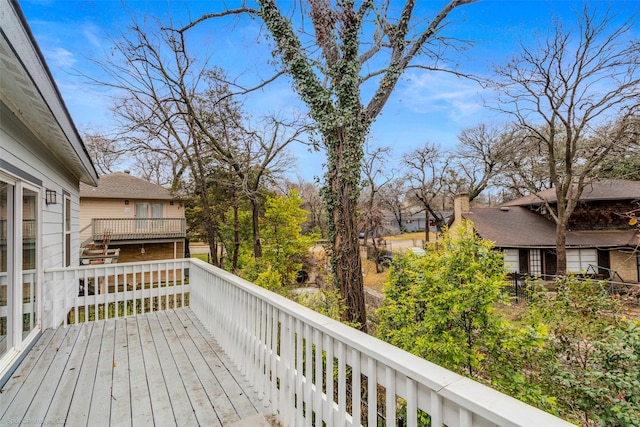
[520,288]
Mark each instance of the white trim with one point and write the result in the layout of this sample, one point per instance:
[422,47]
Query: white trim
[16,343]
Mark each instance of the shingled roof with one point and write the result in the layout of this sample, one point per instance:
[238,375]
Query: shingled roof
[605,189]
[518,227]
[122,185]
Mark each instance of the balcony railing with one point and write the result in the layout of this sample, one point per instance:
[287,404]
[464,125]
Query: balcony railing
[309,368]
[137,228]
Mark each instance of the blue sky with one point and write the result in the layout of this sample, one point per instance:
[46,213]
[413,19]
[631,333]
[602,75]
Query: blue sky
[425,107]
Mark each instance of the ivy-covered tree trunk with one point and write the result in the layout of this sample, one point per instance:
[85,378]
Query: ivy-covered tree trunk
[328,77]
[342,191]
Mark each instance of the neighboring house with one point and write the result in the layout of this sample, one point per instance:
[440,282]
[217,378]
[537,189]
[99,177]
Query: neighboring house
[140,219]
[599,235]
[42,162]
[411,222]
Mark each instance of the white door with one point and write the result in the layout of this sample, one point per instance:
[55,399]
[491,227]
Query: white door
[19,266]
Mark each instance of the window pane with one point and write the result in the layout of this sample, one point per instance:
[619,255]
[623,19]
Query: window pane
[29,260]
[5,233]
[67,215]
[157,210]
[67,231]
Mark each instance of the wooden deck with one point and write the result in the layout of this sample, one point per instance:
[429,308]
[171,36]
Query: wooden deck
[161,368]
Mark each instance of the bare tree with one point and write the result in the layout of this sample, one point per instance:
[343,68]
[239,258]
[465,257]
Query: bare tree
[427,171]
[527,171]
[561,91]
[179,109]
[393,197]
[350,45]
[623,163]
[374,178]
[106,153]
[311,202]
[482,153]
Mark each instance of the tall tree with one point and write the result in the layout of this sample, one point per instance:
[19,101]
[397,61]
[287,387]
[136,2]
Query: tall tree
[351,45]
[482,153]
[180,109]
[393,197]
[312,203]
[374,179]
[560,92]
[427,171]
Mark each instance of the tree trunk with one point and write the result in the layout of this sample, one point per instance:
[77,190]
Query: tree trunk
[347,266]
[255,217]
[213,245]
[375,254]
[426,225]
[341,193]
[236,237]
[561,246]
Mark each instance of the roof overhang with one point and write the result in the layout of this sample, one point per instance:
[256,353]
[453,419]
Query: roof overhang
[28,89]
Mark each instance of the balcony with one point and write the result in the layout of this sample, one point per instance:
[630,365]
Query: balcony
[119,229]
[184,341]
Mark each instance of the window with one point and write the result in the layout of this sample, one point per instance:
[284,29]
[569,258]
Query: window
[535,262]
[67,230]
[6,248]
[29,260]
[20,205]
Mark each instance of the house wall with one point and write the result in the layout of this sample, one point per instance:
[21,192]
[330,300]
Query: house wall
[152,251]
[116,208]
[19,149]
[24,158]
[625,264]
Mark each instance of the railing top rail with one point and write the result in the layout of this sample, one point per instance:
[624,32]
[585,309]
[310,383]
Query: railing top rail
[483,400]
[141,264]
[138,219]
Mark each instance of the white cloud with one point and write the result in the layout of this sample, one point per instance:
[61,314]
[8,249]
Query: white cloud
[61,57]
[91,32]
[440,92]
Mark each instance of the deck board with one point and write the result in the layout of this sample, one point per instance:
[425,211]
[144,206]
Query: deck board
[18,378]
[30,381]
[121,391]
[78,413]
[160,368]
[101,399]
[231,380]
[190,376]
[59,406]
[50,381]
[141,411]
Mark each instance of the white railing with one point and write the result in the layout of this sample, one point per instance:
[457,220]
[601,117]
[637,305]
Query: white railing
[312,369]
[80,294]
[137,228]
[307,368]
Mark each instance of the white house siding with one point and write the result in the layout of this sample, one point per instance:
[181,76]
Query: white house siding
[512,260]
[578,260]
[18,149]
